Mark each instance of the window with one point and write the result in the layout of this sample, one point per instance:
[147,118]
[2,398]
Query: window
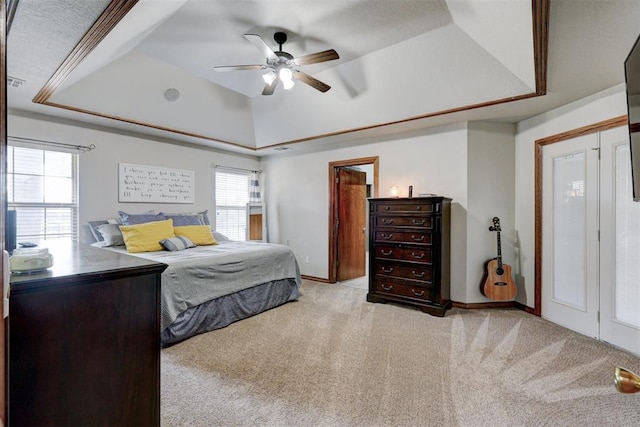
[42,189]
[232,196]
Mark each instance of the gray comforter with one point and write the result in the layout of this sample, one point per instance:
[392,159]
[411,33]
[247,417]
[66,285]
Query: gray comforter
[203,273]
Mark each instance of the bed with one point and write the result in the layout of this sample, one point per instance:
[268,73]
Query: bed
[209,287]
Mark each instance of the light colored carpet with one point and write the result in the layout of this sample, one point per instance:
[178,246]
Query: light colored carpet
[332,359]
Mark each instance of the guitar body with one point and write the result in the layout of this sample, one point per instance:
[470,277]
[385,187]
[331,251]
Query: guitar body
[497,283]
[496,286]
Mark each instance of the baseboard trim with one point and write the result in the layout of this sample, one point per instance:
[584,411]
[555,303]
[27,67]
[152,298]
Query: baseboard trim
[479,305]
[315,279]
[494,304]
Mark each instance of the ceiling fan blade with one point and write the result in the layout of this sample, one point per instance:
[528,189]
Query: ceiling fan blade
[311,81]
[270,88]
[314,58]
[258,42]
[240,67]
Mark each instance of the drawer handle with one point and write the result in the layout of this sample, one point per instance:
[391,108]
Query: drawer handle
[419,208]
[421,275]
[387,237]
[413,254]
[387,221]
[384,270]
[416,222]
[386,253]
[385,288]
[418,294]
[387,208]
[415,239]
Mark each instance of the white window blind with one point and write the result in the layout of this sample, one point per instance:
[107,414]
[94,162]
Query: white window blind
[232,196]
[43,190]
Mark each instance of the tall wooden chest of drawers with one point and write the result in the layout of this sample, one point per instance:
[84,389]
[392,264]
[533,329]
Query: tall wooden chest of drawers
[409,252]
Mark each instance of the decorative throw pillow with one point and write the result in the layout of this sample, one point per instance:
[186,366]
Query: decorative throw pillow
[199,234]
[146,237]
[180,220]
[177,243]
[111,234]
[133,219]
[204,216]
[94,224]
[220,237]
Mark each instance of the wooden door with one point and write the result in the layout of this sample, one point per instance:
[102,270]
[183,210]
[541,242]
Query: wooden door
[351,209]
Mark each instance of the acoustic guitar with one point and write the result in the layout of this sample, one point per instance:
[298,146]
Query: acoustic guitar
[497,283]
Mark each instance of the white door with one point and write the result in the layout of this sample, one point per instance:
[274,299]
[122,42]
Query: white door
[620,245]
[570,234]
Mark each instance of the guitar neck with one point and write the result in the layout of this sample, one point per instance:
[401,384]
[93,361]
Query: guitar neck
[499,258]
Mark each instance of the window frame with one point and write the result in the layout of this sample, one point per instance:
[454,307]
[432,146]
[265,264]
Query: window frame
[74,205]
[240,233]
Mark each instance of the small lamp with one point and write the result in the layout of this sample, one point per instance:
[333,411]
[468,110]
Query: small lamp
[394,191]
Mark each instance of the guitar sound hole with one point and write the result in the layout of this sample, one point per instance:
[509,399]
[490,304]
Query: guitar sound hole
[499,271]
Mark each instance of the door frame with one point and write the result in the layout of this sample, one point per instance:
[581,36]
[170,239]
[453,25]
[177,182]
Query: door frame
[5,23]
[333,206]
[539,144]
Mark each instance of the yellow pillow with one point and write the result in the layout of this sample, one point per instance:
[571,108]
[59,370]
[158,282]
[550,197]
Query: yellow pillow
[146,237]
[198,234]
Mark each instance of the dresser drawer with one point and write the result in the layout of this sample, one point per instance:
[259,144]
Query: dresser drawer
[425,222]
[421,255]
[415,272]
[395,236]
[426,207]
[406,289]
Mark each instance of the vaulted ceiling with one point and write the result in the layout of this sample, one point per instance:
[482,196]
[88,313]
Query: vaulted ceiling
[404,64]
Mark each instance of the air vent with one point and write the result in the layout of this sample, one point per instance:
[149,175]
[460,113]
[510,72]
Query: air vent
[14,81]
[281,149]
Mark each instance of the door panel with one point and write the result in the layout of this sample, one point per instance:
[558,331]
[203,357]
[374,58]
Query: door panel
[620,240]
[352,185]
[570,247]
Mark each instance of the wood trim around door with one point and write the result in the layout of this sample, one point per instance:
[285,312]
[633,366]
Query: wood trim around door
[539,144]
[375,161]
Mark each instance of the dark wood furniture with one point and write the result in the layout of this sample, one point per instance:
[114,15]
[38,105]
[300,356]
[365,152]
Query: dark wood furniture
[84,341]
[409,252]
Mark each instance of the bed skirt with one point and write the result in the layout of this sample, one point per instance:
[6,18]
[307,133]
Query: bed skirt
[222,311]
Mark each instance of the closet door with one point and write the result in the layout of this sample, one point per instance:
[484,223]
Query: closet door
[620,245]
[570,234]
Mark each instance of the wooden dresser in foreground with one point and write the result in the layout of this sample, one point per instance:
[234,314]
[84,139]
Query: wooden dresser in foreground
[409,252]
[84,341]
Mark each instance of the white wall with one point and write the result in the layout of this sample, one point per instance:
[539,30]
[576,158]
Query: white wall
[98,169]
[298,194]
[601,106]
[491,191]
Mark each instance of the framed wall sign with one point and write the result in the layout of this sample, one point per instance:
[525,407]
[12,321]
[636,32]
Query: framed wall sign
[137,183]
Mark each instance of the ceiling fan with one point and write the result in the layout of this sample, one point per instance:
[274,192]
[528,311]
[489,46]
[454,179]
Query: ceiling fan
[281,66]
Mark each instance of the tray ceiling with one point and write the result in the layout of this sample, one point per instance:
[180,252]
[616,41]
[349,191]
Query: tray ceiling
[403,64]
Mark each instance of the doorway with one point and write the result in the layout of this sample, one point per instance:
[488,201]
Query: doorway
[347,216]
[590,238]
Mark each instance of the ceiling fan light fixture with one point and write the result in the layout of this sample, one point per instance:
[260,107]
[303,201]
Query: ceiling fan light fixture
[269,77]
[286,77]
